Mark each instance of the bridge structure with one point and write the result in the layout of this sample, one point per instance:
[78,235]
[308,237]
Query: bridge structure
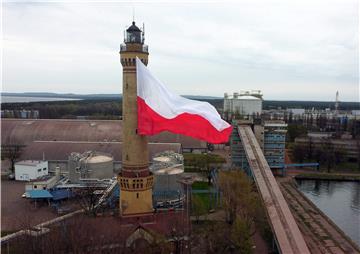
[287,235]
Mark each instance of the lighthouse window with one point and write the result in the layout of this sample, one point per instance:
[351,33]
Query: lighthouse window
[137,195]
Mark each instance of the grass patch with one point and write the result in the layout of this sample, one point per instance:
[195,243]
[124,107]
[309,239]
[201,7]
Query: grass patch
[200,185]
[199,162]
[204,197]
[201,204]
[347,167]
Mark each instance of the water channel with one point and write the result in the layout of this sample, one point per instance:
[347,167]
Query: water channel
[339,200]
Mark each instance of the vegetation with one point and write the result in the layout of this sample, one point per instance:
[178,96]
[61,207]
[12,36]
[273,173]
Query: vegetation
[327,155]
[202,163]
[294,131]
[199,206]
[87,199]
[200,186]
[107,106]
[309,105]
[92,109]
[244,215]
[11,150]
[6,232]
[268,104]
[239,199]
[200,201]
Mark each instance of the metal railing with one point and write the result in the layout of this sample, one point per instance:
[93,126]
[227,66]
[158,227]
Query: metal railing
[145,48]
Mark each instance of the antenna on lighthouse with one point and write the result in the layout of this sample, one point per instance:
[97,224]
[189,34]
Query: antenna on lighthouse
[133,9]
[143,33]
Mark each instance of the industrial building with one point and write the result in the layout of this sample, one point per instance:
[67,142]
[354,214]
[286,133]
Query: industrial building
[245,104]
[57,152]
[271,137]
[90,165]
[28,170]
[274,143]
[44,183]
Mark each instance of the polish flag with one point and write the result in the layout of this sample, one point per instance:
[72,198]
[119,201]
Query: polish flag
[161,110]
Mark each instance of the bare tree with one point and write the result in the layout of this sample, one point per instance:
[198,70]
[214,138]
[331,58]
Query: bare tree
[240,201]
[328,153]
[12,150]
[87,199]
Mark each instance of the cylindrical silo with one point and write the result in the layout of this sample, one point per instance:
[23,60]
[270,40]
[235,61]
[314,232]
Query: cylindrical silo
[167,168]
[99,166]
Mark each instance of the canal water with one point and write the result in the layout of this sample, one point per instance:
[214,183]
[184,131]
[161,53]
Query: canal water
[339,200]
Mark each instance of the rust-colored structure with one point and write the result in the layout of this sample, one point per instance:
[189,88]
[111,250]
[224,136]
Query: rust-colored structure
[135,179]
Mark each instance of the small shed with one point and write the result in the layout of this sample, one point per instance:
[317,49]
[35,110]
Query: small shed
[28,170]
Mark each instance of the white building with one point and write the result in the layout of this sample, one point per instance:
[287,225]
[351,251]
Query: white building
[243,103]
[30,170]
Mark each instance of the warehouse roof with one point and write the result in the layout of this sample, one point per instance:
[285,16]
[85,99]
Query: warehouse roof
[29,130]
[60,150]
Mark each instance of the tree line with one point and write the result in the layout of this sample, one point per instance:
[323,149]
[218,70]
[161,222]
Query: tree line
[91,109]
[326,153]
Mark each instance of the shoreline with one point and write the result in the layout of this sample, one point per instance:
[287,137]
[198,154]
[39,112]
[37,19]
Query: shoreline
[328,177]
[321,233]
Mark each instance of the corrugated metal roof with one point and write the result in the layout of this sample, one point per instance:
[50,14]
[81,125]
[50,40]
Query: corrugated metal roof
[39,194]
[27,131]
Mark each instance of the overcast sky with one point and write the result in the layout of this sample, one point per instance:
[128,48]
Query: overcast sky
[303,50]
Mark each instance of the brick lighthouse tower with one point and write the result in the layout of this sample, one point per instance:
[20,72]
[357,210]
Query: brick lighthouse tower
[135,179]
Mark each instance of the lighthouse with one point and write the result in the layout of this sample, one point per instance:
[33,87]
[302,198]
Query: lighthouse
[135,179]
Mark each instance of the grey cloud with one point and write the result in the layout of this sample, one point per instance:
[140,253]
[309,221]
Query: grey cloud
[209,48]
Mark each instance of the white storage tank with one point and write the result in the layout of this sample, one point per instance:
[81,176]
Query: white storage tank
[247,105]
[90,165]
[99,167]
[168,168]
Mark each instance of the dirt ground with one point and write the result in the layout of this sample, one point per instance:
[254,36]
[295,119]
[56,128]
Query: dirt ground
[17,212]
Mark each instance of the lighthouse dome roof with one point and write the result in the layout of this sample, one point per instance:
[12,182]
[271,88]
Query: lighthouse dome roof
[133,28]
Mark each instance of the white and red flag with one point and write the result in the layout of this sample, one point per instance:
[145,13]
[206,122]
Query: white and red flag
[161,110]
